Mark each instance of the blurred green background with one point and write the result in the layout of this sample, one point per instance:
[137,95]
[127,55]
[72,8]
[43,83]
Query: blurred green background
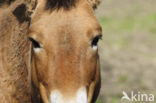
[128,48]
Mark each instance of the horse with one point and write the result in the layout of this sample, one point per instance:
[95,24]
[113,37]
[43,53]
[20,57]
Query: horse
[64,60]
[15,73]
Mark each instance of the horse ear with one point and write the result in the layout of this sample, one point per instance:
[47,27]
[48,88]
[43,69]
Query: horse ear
[19,13]
[94,3]
[23,11]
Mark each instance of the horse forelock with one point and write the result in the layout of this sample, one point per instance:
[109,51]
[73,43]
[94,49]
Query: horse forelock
[57,4]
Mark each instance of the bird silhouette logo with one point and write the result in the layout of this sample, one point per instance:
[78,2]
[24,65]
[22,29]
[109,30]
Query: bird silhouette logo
[125,96]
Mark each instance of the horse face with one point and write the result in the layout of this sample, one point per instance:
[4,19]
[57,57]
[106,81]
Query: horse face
[65,63]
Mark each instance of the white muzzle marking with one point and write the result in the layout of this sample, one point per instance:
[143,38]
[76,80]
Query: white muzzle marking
[56,97]
[79,97]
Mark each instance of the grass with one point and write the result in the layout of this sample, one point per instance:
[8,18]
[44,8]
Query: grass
[122,78]
[134,34]
[129,23]
[115,99]
[99,101]
[117,30]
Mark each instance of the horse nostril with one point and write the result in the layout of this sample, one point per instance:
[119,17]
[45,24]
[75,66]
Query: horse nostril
[45,84]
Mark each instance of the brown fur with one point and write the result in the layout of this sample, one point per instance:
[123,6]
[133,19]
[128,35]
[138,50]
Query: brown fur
[7,2]
[57,4]
[94,3]
[66,61]
[15,82]
[14,58]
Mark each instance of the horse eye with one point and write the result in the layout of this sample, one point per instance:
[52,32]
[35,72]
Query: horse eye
[35,43]
[95,40]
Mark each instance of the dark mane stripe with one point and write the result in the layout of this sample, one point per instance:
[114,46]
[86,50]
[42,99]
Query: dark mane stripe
[57,4]
[6,1]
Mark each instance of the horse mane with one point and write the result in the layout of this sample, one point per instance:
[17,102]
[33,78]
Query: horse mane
[57,4]
[6,2]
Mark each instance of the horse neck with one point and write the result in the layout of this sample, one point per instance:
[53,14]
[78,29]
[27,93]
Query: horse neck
[14,58]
